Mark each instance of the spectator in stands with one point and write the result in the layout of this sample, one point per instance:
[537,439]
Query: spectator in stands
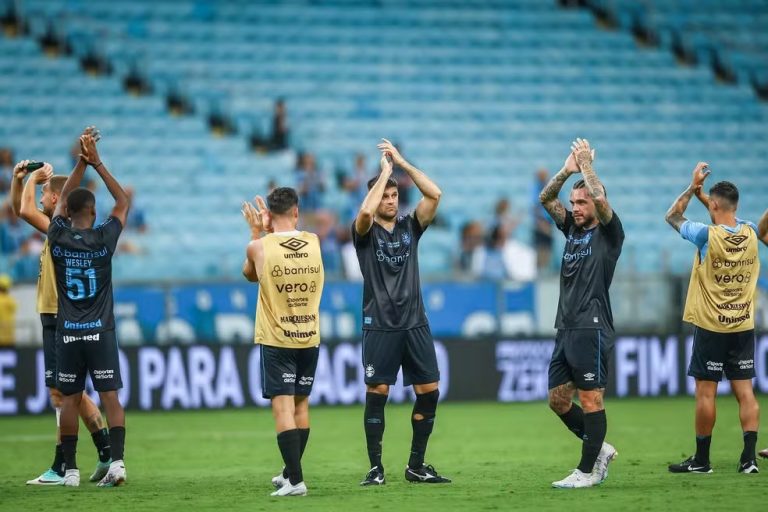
[472,235]
[503,258]
[8,309]
[490,263]
[6,170]
[350,264]
[542,223]
[13,232]
[325,227]
[355,184]
[311,186]
[279,138]
[137,219]
[503,216]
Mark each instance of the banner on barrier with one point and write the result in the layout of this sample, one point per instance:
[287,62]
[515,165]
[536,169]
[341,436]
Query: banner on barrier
[216,376]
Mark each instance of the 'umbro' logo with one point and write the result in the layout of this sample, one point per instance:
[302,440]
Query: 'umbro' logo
[294,244]
[735,239]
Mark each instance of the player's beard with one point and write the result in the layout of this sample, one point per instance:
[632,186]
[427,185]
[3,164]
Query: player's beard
[584,222]
[386,216]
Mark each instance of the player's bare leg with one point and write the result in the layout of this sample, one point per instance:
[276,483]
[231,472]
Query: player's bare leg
[749,415]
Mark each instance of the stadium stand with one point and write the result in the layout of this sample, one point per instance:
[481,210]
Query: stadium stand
[479,93]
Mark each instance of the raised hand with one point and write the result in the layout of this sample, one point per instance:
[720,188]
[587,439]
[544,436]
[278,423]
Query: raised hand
[700,173]
[42,175]
[386,164]
[20,169]
[88,151]
[257,217]
[389,149]
[582,152]
[570,165]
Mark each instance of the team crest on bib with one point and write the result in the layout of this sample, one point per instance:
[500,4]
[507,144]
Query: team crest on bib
[369,371]
[406,239]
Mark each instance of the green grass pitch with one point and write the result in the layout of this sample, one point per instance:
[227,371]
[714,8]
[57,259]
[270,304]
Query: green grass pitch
[500,456]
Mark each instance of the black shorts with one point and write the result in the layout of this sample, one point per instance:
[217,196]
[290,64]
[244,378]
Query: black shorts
[49,348]
[714,352]
[287,371]
[94,353]
[580,356]
[384,352]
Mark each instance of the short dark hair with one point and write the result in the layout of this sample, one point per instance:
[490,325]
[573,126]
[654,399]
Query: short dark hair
[56,184]
[281,200]
[726,190]
[582,184]
[391,182]
[80,199]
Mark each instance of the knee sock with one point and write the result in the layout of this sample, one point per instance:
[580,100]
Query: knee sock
[425,406]
[574,420]
[750,440]
[69,450]
[117,442]
[303,438]
[101,441]
[595,428]
[289,443]
[702,449]
[374,426]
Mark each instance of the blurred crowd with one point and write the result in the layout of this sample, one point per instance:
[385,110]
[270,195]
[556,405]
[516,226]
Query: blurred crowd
[494,249]
[20,243]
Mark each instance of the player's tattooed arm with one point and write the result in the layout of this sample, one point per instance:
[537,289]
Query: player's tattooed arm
[427,207]
[702,196]
[549,195]
[762,228]
[364,219]
[29,211]
[674,216]
[584,158]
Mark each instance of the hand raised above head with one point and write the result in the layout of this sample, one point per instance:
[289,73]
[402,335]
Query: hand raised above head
[700,173]
[389,149]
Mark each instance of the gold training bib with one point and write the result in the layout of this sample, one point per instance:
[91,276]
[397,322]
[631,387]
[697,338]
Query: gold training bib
[721,292]
[47,298]
[290,286]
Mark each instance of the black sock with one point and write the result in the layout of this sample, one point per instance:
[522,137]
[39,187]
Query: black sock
[750,440]
[58,461]
[702,449]
[374,426]
[574,420]
[289,442]
[69,450]
[303,438]
[425,406]
[595,428]
[101,441]
[117,442]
